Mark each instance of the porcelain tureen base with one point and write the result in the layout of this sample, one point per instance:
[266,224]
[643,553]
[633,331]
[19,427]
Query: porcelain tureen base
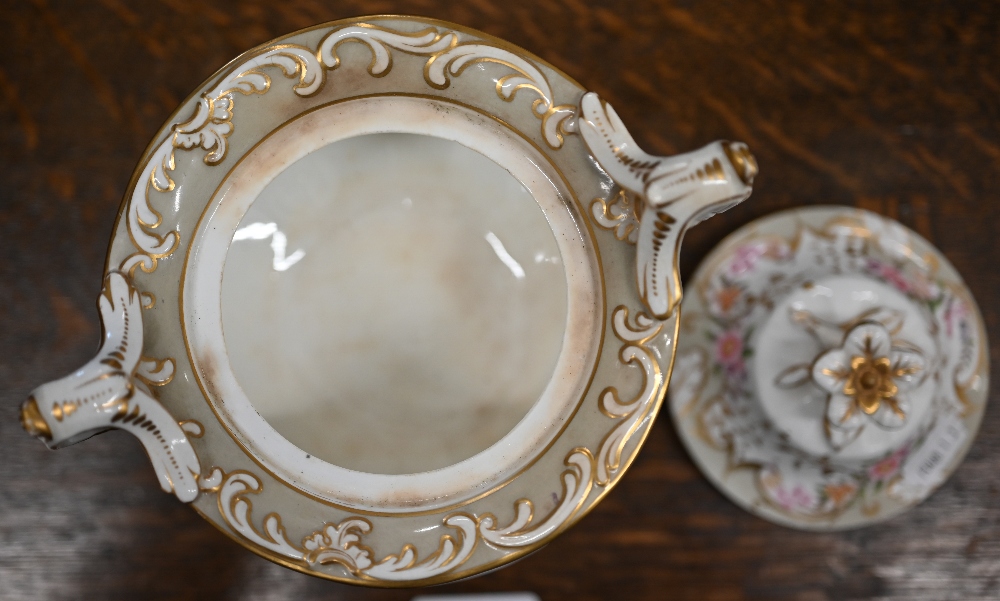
[391,302]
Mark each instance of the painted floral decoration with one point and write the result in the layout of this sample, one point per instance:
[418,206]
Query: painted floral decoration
[730,352]
[870,376]
[868,379]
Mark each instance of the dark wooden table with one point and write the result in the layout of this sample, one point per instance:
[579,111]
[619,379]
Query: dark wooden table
[891,107]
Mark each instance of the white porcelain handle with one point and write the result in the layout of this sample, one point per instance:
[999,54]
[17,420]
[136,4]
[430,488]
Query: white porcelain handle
[111,391]
[672,194]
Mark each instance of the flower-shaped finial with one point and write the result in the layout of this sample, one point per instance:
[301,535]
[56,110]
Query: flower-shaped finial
[867,377]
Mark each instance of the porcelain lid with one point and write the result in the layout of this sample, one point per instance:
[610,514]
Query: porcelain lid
[832,368]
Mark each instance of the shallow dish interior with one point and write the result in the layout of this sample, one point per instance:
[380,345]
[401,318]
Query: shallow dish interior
[393,303]
[466,176]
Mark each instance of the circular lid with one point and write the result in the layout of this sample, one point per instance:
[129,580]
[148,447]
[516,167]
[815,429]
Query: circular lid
[832,369]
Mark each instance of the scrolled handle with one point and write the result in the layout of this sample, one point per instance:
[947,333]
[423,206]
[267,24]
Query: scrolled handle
[672,194]
[110,391]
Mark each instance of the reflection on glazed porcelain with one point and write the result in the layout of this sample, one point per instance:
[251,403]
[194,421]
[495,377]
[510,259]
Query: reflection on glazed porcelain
[279,243]
[541,257]
[504,256]
[410,346]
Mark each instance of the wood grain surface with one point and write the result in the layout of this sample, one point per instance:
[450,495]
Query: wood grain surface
[891,106]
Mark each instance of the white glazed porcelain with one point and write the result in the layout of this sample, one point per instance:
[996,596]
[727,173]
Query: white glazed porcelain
[392,302]
[441,269]
[833,369]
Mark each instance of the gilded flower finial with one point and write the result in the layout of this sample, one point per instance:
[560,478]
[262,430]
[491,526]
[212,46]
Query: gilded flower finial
[867,378]
[870,383]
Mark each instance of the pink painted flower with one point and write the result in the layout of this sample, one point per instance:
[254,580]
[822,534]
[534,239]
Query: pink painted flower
[795,499]
[891,275]
[729,351]
[745,258]
[956,312]
[888,467]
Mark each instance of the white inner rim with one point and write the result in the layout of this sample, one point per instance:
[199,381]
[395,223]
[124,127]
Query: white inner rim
[202,317]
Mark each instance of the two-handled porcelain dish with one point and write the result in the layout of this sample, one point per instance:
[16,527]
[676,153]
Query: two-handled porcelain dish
[390,301]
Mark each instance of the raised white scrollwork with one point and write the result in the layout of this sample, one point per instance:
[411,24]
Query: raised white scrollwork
[237,509]
[379,40]
[333,543]
[449,58]
[618,215]
[521,532]
[154,372]
[336,543]
[635,335]
[208,128]
[340,543]
[526,75]
[450,554]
